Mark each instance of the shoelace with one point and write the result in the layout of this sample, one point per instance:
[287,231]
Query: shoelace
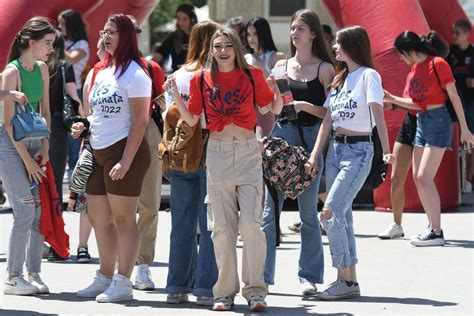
[334,286]
[425,235]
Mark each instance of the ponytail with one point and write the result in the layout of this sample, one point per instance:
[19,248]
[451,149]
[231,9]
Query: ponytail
[431,44]
[437,45]
[19,43]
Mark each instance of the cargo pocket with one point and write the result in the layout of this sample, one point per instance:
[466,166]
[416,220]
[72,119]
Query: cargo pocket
[258,207]
[215,211]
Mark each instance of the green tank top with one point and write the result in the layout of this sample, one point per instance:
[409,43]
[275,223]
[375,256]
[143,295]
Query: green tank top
[31,83]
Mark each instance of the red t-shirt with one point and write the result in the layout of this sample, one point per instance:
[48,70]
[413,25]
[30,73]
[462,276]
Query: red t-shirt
[232,103]
[422,85]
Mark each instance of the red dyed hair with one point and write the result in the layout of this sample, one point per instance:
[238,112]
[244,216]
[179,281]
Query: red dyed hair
[127,48]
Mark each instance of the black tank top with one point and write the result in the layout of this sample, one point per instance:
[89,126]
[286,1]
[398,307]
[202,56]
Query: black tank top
[310,91]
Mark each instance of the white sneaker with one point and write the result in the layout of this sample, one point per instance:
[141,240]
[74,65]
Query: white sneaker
[308,288]
[18,286]
[35,280]
[143,278]
[99,285]
[393,231]
[339,289]
[120,290]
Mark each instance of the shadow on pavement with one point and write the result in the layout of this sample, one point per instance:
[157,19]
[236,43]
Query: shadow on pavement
[460,243]
[390,300]
[15,312]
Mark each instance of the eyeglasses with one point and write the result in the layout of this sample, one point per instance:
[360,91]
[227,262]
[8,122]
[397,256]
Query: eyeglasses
[110,33]
[225,47]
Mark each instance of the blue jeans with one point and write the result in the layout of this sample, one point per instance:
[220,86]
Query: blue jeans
[25,236]
[347,167]
[311,263]
[190,271]
[433,128]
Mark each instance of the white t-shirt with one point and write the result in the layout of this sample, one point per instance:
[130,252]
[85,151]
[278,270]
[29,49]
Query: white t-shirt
[183,79]
[81,64]
[109,100]
[349,105]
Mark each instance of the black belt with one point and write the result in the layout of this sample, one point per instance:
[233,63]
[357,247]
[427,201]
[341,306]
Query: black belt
[352,139]
[284,121]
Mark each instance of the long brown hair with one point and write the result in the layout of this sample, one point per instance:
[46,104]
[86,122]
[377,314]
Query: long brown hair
[355,43]
[320,47]
[199,44]
[239,61]
[34,29]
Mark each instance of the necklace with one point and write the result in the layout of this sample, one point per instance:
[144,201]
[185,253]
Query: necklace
[28,68]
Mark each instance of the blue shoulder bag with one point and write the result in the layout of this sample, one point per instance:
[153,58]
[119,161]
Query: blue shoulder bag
[28,125]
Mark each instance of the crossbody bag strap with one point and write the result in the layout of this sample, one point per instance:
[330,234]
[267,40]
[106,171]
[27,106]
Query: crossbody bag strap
[201,85]
[370,111]
[152,77]
[63,76]
[437,76]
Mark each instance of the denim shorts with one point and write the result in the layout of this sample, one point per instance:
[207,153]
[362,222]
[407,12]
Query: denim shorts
[434,128]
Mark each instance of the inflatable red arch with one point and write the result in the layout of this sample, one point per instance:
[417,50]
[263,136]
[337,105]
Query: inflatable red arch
[384,20]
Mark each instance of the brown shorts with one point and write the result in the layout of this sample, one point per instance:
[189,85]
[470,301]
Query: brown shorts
[100,182]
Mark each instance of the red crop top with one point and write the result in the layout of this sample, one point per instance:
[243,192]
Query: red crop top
[422,85]
[232,103]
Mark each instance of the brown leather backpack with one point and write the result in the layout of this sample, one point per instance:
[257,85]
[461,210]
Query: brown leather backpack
[182,145]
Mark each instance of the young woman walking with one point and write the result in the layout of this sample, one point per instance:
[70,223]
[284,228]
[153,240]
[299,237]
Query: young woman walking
[429,84]
[354,107]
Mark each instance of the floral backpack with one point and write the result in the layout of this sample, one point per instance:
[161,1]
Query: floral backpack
[283,166]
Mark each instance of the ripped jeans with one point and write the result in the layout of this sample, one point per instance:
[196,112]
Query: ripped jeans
[234,175]
[347,167]
[25,237]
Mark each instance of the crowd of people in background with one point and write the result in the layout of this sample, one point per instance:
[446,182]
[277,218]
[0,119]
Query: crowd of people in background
[224,84]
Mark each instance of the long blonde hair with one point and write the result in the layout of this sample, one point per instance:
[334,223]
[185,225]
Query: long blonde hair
[239,61]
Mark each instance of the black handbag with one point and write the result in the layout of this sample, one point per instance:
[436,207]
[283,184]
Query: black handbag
[70,106]
[379,168]
[28,125]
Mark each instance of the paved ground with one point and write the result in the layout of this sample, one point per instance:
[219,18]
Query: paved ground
[395,278]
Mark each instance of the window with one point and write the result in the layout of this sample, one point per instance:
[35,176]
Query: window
[285,7]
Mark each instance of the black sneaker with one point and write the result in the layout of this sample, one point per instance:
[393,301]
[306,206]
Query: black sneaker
[428,238]
[83,255]
[53,256]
